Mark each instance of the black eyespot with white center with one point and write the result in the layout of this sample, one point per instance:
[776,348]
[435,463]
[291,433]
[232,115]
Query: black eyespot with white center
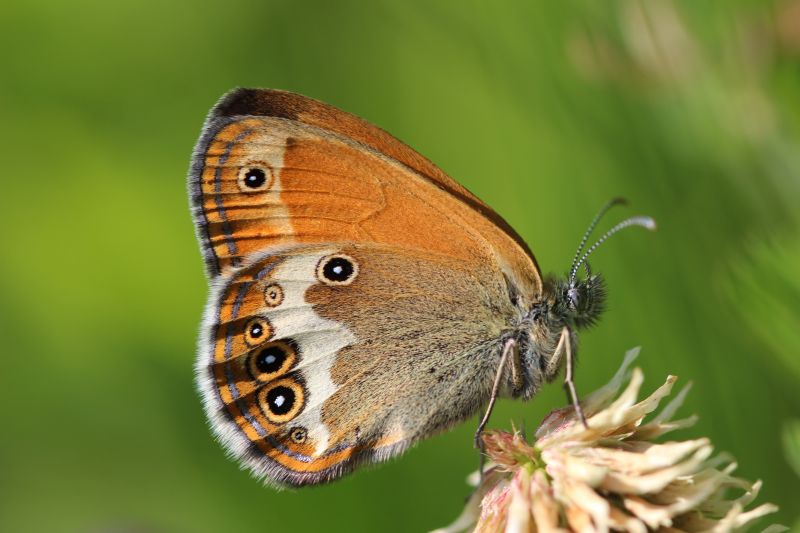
[272,360]
[255,177]
[282,400]
[257,331]
[337,269]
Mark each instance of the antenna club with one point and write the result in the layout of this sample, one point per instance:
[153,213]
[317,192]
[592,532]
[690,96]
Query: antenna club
[643,221]
[619,200]
[613,202]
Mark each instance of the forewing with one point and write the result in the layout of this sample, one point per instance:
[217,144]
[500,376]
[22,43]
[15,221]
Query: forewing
[273,169]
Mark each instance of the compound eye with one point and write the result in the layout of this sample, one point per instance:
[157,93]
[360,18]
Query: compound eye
[573,298]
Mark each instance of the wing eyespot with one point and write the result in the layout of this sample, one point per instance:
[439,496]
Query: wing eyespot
[257,331]
[273,295]
[339,269]
[272,360]
[282,401]
[255,177]
[298,434]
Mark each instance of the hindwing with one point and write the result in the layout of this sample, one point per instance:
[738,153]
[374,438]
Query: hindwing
[319,357]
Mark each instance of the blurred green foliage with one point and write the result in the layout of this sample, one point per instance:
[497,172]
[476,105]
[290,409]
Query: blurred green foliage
[543,109]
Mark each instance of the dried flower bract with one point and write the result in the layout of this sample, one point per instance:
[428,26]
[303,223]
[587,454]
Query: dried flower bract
[611,476]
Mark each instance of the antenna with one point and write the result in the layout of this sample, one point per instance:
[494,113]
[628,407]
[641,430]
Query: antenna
[645,222]
[592,225]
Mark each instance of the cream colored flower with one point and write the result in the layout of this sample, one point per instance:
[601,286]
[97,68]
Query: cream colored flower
[611,475]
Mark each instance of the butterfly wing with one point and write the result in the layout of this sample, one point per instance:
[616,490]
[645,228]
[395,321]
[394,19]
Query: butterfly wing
[274,168]
[319,357]
[303,379]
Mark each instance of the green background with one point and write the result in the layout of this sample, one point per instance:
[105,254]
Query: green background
[543,109]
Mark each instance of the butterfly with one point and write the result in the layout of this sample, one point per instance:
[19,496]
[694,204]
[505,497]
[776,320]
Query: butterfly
[360,299]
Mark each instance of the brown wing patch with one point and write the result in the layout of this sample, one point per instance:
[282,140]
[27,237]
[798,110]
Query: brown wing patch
[425,322]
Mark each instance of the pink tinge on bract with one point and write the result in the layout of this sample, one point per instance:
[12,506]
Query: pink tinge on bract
[611,475]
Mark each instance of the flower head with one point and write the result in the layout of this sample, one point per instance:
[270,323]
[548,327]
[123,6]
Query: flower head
[611,475]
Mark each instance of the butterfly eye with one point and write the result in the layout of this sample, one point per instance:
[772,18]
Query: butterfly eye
[273,295]
[282,401]
[272,360]
[337,270]
[255,178]
[298,435]
[257,331]
[573,298]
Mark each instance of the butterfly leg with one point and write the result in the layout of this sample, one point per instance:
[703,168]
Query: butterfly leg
[565,343]
[509,347]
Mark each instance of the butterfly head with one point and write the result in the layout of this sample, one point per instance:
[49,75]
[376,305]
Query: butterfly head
[581,301]
[578,302]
